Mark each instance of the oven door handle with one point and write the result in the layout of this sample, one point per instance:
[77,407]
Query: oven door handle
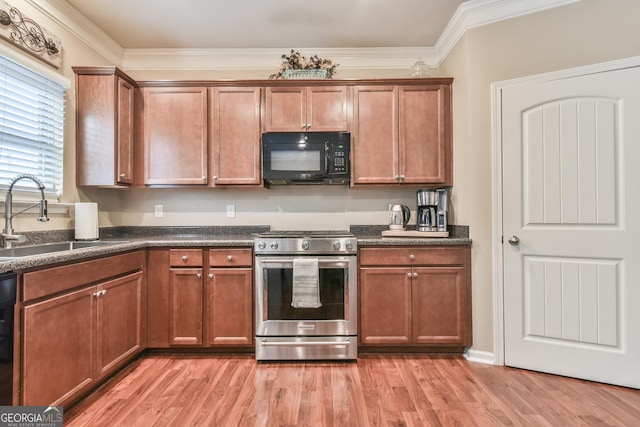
[304,343]
[321,261]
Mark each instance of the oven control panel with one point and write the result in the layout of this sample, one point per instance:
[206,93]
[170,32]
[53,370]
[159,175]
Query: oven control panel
[310,246]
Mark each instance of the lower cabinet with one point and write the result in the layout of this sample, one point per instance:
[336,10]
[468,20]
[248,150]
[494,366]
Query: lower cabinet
[415,297]
[200,297]
[74,339]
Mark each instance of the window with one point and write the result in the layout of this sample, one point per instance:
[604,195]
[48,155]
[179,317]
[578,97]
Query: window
[31,128]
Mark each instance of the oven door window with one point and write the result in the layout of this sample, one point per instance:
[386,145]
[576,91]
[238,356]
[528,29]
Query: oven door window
[278,292]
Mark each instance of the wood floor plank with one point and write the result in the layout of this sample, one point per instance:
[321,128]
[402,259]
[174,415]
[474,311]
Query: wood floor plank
[376,390]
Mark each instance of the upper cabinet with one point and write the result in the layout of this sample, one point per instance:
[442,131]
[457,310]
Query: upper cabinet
[402,134]
[104,127]
[208,133]
[300,109]
[234,131]
[175,136]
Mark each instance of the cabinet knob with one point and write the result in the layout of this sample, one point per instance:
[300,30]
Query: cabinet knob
[210,275]
[204,178]
[402,176]
[198,275]
[412,257]
[229,258]
[397,176]
[409,274]
[184,258]
[215,178]
[415,274]
[123,175]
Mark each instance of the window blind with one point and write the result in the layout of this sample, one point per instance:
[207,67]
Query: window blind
[31,128]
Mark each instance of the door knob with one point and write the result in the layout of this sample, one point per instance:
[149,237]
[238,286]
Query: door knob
[513,240]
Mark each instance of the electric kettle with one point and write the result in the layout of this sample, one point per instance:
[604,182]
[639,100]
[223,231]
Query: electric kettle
[399,217]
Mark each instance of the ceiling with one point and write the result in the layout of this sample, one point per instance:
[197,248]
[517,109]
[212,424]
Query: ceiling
[265,24]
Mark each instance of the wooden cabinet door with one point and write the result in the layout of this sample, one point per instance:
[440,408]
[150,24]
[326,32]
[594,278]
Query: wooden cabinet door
[286,109]
[175,135]
[385,306]
[234,120]
[425,134]
[119,321]
[104,127]
[230,307]
[124,144]
[375,135]
[57,348]
[185,306]
[439,300]
[327,109]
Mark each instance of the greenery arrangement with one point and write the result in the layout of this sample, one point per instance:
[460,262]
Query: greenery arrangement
[295,61]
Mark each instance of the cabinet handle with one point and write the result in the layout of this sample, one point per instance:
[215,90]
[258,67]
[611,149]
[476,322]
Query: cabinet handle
[184,258]
[415,274]
[402,176]
[229,258]
[397,176]
[412,257]
[304,126]
[96,294]
[409,274]
[123,175]
[210,275]
[215,178]
[198,275]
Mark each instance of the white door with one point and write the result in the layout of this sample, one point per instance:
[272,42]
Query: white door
[571,195]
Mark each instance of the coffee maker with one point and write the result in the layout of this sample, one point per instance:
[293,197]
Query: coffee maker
[432,210]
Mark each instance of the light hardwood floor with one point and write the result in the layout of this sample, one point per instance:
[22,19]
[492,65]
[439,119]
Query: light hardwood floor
[386,390]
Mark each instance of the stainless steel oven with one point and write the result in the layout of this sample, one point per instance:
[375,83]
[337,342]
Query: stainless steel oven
[289,326]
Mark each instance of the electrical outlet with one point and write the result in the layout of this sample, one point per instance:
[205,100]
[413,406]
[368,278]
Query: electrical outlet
[159,211]
[231,211]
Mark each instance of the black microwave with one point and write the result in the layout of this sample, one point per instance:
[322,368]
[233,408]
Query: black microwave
[306,158]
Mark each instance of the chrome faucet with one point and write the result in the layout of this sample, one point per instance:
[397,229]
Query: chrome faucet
[7,234]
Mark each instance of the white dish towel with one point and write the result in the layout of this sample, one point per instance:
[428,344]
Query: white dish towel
[306,287]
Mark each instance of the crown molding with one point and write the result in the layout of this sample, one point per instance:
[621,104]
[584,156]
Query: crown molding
[476,13]
[69,18]
[470,14]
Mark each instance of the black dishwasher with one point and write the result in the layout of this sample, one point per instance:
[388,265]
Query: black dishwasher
[8,284]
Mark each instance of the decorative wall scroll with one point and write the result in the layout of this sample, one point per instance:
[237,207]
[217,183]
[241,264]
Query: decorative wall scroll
[29,35]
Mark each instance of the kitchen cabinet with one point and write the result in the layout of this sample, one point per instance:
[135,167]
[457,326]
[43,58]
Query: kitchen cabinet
[234,129]
[320,108]
[104,127]
[229,297]
[200,297]
[175,135]
[402,134]
[185,296]
[78,328]
[415,297]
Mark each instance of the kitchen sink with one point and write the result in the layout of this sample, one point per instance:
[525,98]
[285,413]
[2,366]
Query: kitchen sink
[47,248]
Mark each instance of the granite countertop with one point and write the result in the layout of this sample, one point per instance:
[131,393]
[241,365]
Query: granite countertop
[133,238]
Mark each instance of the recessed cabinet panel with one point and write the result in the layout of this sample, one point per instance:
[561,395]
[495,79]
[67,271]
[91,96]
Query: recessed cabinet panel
[234,120]
[185,306]
[230,307]
[175,135]
[375,135]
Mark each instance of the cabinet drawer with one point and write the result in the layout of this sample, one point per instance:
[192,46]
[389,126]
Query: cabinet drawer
[230,257]
[410,256]
[185,257]
[37,284]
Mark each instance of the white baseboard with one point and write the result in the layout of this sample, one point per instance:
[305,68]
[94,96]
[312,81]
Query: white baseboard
[480,356]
